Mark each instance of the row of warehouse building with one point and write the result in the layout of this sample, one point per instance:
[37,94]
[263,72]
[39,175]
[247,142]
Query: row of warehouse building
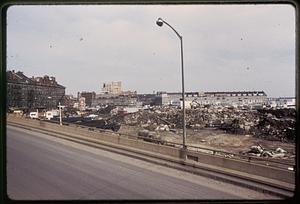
[46,93]
[252,99]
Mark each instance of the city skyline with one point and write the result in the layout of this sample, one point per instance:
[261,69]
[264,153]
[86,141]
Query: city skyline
[226,47]
[101,91]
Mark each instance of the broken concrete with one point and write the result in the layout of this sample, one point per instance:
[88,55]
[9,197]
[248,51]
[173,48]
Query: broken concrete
[259,151]
[267,124]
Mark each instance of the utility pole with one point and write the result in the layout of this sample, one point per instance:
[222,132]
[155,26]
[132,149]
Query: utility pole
[60,119]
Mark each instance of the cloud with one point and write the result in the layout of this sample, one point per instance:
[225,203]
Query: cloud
[84,46]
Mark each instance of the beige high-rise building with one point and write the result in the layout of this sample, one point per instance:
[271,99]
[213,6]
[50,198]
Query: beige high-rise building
[114,87]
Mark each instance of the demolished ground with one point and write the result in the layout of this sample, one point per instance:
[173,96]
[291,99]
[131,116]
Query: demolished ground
[236,130]
[226,129]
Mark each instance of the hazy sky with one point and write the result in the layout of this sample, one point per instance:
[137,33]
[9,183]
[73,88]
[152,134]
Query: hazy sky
[226,47]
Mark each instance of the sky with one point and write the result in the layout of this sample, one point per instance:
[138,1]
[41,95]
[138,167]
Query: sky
[226,47]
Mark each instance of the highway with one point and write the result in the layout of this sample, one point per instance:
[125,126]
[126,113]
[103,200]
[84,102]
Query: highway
[41,167]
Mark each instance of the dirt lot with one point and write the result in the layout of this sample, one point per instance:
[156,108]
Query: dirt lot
[216,139]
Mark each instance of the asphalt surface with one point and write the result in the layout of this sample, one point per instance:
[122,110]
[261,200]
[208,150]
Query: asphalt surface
[40,167]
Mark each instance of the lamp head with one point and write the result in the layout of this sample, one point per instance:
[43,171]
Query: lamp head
[159,22]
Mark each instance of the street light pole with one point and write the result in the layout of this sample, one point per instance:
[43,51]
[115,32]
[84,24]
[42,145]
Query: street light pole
[160,22]
[183,97]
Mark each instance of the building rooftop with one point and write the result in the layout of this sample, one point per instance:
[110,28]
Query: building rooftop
[261,93]
[19,77]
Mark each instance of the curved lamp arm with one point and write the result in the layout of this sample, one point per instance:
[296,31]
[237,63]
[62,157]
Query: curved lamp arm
[160,22]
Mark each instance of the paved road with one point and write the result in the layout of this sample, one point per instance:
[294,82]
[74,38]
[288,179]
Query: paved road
[42,167]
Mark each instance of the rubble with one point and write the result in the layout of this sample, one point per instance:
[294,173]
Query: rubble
[163,127]
[105,110]
[279,113]
[150,136]
[112,123]
[102,124]
[259,151]
[266,124]
[272,128]
[224,127]
[256,149]
[280,150]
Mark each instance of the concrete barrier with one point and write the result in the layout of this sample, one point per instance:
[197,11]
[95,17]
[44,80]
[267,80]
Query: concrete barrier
[244,166]
[214,160]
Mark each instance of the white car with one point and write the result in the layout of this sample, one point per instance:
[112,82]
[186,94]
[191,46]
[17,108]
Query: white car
[33,115]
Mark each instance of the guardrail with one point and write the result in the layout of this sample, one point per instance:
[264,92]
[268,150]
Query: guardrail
[169,148]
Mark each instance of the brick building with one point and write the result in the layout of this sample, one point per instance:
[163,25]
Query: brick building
[31,93]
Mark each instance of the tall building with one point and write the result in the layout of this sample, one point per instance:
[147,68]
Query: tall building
[31,93]
[114,87]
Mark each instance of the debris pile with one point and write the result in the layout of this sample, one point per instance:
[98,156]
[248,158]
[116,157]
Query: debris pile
[150,136]
[272,128]
[112,123]
[105,110]
[279,113]
[259,151]
[267,124]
